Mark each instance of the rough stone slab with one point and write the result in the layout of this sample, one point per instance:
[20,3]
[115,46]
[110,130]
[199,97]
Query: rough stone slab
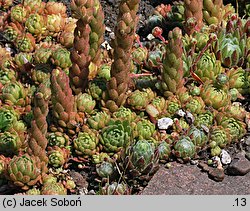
[183,179]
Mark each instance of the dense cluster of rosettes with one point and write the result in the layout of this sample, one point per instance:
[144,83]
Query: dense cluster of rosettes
[66,102]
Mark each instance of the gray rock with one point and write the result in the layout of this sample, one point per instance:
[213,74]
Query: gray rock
[164,123]
[239,165]
[225,157]
[182,179]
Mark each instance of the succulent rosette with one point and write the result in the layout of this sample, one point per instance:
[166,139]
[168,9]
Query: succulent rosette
[238,79]
[125,114]
[96,87]
[26,43]
[100,157]
[98,120]
[196,105]
[53,188]
[219,136]
[105,169]
[22,58]
[215,97]
[236,110]
[142,159]
[18,13]
[172,106]
[85,103]
[35,24]
[139,55]
[198,137]
[8,117]
[115,189]
[104,72]
[208,68]
[156,107]
[58,139]
[184,148]
[56,8]
[55,23]
[86,143]
[33,191]
[58,156]
[61,58]
[12,31]
[14,93]
[4,161]
[10,143]
[42,55]
[140,99]
[231,44]
[144,129]
[206,118]
[24,171]
[164,150]
[115,136]
[237,128]
[6,76]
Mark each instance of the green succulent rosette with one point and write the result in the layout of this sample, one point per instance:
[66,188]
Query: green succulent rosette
[105,169]
[143,158]
[35,24]
[231,44]
[219,136]
[125,114]
[55,23]
[139,55]
[104,72]
[98,120]
[18,13]
[215,97]
[212,11]
[53,188]
[156,107]
[138,100]
[205,118]
[196,105]
[57,139]
[14,93]
[238,79]
[100,157]
[208,68]
[96,87]
[115,189]
[172,106]
[57,156]
[237,128]
[164,150]
[24,171]
[61,58]
[177,11]
[22,58]
[198,137]
[6,76]
[85,103]
[236,110]
[26,43]
[10,143]
[42,55]
[86,143]
[144,129]
[33,191]
[8,117]
[11,32]
[115,136]
[180,125]
[185,149]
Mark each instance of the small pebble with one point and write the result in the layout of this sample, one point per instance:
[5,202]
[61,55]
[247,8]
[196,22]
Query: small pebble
[225,157]
[181,113]
[193,162]
[164,123]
